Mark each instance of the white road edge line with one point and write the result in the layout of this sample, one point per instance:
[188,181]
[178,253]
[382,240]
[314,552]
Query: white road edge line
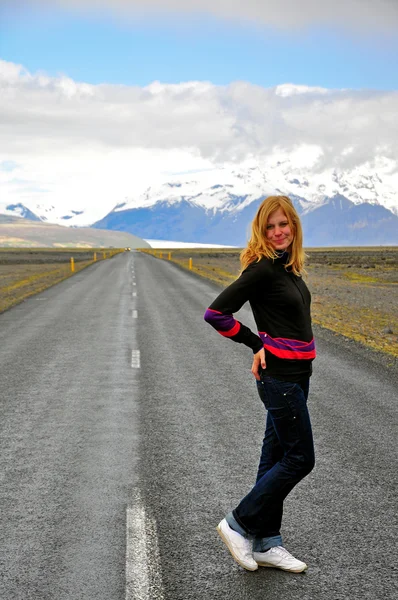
[134,294]
[135,314]
[143,574]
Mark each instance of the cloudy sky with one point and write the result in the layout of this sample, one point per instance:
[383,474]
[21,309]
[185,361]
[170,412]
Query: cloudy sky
[99,99]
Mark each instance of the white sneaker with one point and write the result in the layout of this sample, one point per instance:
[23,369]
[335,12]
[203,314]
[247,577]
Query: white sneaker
[279,558]
[239,546]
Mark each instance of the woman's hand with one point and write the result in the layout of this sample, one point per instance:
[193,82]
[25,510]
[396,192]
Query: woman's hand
[258,359]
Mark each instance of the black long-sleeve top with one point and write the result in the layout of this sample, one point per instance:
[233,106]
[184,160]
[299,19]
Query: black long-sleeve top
[280,302]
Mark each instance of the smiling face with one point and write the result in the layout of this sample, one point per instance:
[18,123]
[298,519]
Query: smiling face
[278,230]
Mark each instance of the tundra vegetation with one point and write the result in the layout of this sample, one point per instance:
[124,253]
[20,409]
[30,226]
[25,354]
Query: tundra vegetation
[354,290]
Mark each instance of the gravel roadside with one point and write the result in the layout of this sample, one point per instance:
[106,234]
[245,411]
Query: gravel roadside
[383,359]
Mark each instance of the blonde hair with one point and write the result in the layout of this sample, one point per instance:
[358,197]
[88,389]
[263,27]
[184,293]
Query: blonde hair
[259,246]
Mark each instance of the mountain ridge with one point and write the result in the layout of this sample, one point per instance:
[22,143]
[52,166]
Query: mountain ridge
[217,206]
[336,222]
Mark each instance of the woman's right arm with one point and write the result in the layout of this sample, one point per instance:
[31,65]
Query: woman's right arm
[220,312]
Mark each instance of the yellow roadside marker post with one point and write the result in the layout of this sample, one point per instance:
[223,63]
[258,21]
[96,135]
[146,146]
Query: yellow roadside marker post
[169,255]
[190,263]
[72,264]
[95,256]
[160,255]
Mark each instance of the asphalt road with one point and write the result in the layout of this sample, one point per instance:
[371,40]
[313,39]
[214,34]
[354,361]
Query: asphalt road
[129,427]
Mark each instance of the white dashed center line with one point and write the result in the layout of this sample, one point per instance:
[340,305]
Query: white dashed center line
[135,359]
[143,574]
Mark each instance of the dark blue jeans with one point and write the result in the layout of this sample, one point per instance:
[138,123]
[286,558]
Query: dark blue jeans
[287,456]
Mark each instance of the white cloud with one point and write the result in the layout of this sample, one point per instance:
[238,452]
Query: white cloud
[98,143]
[359,15]
[218,122]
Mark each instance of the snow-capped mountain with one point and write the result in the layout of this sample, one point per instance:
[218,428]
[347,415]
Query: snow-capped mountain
[357,206]
[18,210]
[219,188]
[57,214]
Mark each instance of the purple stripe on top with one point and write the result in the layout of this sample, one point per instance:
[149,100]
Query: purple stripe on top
[219,321]
[292,343]
[287,344]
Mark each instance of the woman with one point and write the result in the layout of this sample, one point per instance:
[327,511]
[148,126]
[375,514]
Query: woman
[271,280]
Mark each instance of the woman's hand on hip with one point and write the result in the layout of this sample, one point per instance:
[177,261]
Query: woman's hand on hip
[258,360]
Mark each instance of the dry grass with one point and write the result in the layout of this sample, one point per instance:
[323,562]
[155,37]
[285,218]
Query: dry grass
[354,290]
